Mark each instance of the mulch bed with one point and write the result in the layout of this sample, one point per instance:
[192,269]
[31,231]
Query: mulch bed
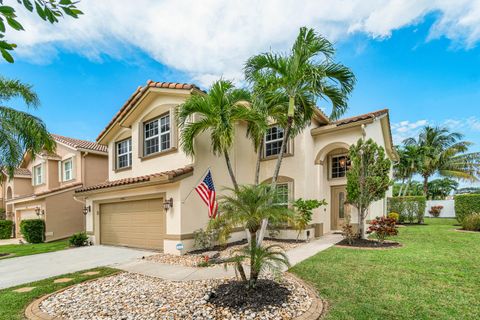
[234,295]
[368,244]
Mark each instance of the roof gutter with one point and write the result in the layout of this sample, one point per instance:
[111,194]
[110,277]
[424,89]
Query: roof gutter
[333,127]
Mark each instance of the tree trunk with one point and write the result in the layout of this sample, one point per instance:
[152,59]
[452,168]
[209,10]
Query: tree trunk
[257,168]
[361,224]
[241,271]
[409,182]
[401,188]
[253,272]
[282,152]
[230,170]
[425,186]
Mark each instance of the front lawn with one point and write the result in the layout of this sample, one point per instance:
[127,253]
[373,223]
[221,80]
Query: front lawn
[27,249]
[436,275]
[13,304]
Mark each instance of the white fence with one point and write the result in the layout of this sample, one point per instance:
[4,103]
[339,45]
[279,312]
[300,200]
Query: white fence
[448,210]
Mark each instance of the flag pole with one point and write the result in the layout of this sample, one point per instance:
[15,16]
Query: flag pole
[198,181]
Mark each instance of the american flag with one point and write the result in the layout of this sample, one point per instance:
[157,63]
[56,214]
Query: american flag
[206,191]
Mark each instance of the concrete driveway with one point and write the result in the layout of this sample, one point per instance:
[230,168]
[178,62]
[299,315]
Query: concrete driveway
[26,269]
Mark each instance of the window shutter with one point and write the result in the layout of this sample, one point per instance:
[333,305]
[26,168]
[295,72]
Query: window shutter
[74,167]
[33,176]
[60,171]
[173,129]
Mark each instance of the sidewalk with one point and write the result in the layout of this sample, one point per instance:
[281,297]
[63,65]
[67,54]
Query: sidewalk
[181,273]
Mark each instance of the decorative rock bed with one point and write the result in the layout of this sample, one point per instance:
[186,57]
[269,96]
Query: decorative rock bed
[195,258]
[133,296]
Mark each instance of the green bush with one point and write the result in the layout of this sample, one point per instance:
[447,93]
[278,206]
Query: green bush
[471,222]
[33,230]
[78,239]
[6,229]
[466,204]
[410,208]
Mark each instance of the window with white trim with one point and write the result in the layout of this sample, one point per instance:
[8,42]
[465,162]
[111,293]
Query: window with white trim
[156,135]
[273,141]
[339,166]
[282,194]
[38,175]
[124,154]
[67,169]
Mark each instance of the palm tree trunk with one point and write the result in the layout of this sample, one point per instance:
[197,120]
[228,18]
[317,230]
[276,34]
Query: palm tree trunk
[241,271]
[230,170]
[425,186]
[282,151]
[257,168]
[401,188]
[253,271]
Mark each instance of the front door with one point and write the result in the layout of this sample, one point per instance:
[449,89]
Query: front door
[339,196]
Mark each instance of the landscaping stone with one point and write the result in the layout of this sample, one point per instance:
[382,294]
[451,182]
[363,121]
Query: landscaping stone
[134,296]
[24,289]
[62,280]
[193,259]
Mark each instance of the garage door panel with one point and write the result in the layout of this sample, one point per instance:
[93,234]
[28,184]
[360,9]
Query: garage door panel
[134,223]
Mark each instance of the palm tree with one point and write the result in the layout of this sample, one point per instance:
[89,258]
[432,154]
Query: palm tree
[248,206]
[295,81]
[20,132]
[444,152]
[405,169]
[217,113]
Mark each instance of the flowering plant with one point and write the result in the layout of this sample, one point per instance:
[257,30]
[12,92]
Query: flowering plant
[435,211]
[383,227]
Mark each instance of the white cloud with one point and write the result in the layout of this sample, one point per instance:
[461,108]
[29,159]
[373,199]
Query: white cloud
[208,39]
[406,129]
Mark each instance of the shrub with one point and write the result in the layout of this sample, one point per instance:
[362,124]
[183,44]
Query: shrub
[466,204]
[6,229]
[303,213]
[393,215]
[33,230]
[435,211]
[471,222]
[410,208]
[383,227]
[78,239]
[348,232]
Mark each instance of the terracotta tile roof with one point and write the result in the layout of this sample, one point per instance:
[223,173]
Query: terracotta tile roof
[67,186]
[138,94]
[22,172]
[80,144]
[171,174]
[361,117]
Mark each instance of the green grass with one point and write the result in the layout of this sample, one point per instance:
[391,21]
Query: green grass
[436,275]
[13,304]
[28,249]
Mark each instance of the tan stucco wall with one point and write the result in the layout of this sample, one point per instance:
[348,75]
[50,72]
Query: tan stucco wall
[95,169]
[63,216]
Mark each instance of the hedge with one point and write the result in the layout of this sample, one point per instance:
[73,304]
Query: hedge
[466,204]
[411,208]
[6,229]
[33,230]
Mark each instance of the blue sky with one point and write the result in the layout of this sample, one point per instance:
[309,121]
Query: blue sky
[422,63]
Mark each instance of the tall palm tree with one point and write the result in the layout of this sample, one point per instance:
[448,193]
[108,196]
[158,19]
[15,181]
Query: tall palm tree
[215,112]
[405,169]
[298,79]
[248,206]
[20,132]
[445,153]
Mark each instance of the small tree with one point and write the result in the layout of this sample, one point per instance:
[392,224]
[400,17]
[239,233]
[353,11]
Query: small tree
[303,213]
[368,178]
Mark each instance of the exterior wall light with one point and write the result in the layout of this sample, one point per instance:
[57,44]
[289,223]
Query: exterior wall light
[167,204]
[87,209]
[37,211]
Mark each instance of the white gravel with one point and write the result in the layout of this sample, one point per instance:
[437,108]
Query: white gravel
[193,259]
[132,296]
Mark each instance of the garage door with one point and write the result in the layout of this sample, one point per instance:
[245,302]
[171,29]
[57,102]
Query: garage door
[139,224]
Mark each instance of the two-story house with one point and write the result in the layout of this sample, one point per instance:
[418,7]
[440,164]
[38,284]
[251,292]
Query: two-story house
[43,186]
[148,202]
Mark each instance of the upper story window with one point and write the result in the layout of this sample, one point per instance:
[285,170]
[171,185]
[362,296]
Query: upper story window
[156,135]
[38,175]
[339,166]
[67,169]
[124,154]
[273,141]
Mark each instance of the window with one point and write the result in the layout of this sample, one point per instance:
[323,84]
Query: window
[339,166]
[157,135]
[124,154]
[38,175]
[282,194]
[341,205]
[67,168]
[273,141]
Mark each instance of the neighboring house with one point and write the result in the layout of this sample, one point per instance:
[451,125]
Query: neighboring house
[148,171]
[43,186]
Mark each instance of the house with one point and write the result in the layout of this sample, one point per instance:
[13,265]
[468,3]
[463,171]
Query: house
[43,186]
[148,202]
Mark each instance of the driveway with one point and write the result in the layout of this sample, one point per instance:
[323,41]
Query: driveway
[36,267]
